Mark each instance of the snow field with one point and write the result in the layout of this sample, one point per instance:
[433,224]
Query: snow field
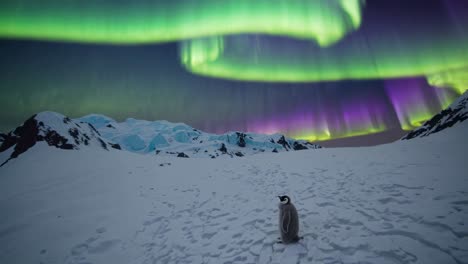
[404,202]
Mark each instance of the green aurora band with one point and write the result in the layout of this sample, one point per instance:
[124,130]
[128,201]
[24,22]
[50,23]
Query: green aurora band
[455,79]
[254,58]
[324,133]
[152,21]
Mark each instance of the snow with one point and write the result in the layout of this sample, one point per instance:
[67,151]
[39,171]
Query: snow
[63,126]
[157,142]
[131,142]
[182,137]
[170,139]
[98,121]
[404,202]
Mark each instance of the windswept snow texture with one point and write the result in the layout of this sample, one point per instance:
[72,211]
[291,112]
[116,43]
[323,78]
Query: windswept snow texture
[405,202]
[457,112]
[172,139]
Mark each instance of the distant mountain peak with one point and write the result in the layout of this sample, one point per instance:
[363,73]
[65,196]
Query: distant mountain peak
[56,130]
[457,112]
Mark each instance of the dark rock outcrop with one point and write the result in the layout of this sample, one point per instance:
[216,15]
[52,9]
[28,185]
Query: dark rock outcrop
[22,138]
[283,142]
[182,155]
[223,148]
[239,154]
[241,139]
[115,146]
[299,146]
[94,129]
[103,144]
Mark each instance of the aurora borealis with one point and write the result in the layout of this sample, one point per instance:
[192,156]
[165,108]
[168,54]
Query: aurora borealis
[380,50]
[152,21]
[316,70]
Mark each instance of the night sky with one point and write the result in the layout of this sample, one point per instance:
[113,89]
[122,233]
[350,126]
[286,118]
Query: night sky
[348,72]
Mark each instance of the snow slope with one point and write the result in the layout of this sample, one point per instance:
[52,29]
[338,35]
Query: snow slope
[171,139]
[405,202]
[56,130]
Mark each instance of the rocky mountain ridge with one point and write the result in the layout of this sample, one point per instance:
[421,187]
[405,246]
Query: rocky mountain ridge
[54,129]
[457,112]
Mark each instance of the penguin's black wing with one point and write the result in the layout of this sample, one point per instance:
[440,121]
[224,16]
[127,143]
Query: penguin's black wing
[286,222]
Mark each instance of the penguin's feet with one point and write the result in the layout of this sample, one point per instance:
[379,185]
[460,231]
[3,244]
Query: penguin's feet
[298,238]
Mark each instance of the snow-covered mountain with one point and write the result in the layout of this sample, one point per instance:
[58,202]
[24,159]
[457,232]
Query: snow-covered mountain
[457,112]
[177,139]
[403,202]
[56,130]
[160,138]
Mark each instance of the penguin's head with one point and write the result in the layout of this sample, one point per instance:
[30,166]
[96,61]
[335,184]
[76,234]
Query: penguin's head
[284,199]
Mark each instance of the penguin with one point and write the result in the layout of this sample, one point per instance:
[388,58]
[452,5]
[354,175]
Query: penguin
[288,221]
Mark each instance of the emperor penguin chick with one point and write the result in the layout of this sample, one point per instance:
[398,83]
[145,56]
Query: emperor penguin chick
[288,220]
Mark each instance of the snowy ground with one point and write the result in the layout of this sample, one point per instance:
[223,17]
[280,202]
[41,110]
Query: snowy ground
[404,202]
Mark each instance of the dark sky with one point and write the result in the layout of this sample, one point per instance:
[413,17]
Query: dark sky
[148,81]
